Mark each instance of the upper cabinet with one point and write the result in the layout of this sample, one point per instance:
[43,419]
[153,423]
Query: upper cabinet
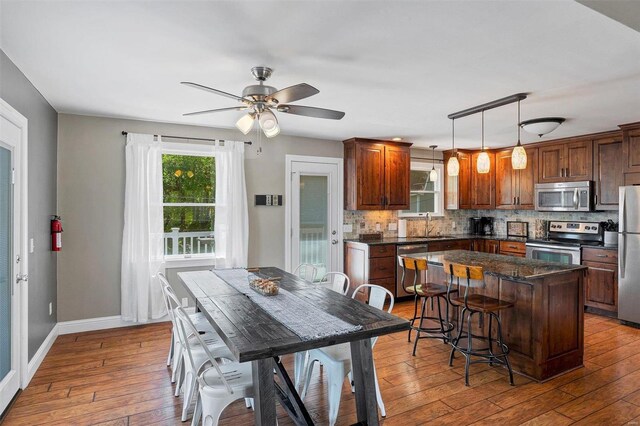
[566,161]
[483,185]
[458,188]
[376,174]
[515,188]
[608,164]
[631,150]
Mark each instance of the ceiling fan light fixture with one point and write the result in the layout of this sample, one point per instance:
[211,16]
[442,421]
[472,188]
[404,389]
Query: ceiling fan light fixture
[245,123]
[269,124]
[541,126]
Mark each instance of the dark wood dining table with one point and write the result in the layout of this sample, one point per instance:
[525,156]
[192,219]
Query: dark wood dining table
[254,336]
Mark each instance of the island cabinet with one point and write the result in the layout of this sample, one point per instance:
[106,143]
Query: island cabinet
[450,245]
[608,170]
[545,328]
[486,246]
[370,264]
[515,189]
[601,282]
[376,174]
[566,161]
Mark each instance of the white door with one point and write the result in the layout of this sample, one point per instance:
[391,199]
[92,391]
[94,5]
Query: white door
[314,213]
[11,261]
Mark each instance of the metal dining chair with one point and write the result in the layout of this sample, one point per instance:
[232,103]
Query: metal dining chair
[306,271]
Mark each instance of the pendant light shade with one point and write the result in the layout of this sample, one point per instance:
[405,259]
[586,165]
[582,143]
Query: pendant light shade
[484,162]
[519,155]
[269,124]
[433,174]
[245,123]
[453,166]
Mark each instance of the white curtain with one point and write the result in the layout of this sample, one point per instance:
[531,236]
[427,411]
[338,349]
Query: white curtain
[232,218]
[142,237]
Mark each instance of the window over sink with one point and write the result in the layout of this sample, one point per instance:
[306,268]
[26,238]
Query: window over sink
[426,195]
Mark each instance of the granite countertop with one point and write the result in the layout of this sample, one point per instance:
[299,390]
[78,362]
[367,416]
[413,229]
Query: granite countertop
[510,267]
[418,240]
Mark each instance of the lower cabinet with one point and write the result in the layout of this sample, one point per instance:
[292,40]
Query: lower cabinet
[450,245]
[513,248]
[601,282]
[486,246]
[370,264]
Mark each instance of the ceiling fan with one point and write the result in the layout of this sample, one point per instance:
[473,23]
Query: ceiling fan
[260,100]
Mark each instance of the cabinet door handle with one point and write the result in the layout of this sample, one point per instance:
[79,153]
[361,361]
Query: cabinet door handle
[601,255]
[514,200]
[518,197]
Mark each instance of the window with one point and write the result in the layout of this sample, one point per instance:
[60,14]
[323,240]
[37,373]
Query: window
[189,185]
[426,196]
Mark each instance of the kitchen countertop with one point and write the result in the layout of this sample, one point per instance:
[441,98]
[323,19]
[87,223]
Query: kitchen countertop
[419,240]
[510,267]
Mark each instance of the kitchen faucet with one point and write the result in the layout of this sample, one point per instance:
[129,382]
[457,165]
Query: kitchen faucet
[427,229]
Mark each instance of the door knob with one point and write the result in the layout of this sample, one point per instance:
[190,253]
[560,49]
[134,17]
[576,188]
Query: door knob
[334,242]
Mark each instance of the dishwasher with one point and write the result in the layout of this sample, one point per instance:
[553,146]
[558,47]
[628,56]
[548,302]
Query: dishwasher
[404,250]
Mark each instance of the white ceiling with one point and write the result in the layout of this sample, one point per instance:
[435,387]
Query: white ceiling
[397,68]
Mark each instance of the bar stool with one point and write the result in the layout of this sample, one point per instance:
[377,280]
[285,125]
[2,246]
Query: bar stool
[426,292]
[476,304]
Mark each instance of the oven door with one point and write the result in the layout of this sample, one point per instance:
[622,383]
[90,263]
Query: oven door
[554,254]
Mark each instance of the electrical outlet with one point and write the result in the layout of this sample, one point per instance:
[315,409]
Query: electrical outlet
[393,226]
[347,227]
[185,302]
[453,225]
[50,308]
[32,245]
[378,227]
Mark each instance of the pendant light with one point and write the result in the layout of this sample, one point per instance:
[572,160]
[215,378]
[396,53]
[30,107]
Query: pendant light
[519,155]
[484,163]
[433,174]
[453,166]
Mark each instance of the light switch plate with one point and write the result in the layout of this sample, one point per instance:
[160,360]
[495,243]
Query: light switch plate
[393,226]
[347,227]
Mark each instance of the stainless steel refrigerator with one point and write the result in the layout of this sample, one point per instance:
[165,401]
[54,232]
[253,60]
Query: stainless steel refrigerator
[629,255]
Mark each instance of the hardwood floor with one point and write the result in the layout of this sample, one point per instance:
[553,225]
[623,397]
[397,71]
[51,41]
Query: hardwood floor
[119,377]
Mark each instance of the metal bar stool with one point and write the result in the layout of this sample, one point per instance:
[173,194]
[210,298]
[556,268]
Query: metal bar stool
[426,292]
[476,304]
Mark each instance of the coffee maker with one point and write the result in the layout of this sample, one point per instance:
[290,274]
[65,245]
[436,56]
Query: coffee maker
[481,225]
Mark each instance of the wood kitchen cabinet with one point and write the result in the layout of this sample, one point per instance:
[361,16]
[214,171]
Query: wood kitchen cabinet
[631,147]
[458,188]
[608,164]
[376,174]
[449,245]
[373,264]
[566,161]
[601,282]
[515,189]
[512,248]
[483,185]
[486,246]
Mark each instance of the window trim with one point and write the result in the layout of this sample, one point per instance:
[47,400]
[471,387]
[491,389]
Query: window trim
[193,150]
[426,166]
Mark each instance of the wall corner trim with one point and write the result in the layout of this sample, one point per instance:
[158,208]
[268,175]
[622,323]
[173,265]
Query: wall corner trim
[39,356]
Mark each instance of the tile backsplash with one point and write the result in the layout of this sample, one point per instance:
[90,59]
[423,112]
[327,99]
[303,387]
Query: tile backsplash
[457,221]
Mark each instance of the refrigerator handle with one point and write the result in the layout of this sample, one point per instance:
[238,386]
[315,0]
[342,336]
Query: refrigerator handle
[623,207]
[622,247]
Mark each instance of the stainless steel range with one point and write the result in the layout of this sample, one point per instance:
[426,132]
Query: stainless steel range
[564,241]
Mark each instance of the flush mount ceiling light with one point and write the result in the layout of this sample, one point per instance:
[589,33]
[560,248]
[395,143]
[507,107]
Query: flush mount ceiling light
[541,126]
[453,166]
[519,155]
[433,174]
[484,162]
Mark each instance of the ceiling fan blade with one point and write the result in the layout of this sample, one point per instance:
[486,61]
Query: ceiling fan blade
[207,111]
[311,111]
[293,93]
[216,91]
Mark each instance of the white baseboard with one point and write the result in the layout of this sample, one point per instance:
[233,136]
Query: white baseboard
[103,323]
[38,357]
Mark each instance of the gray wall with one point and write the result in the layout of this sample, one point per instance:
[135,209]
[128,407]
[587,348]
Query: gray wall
[91,192]
[43,122]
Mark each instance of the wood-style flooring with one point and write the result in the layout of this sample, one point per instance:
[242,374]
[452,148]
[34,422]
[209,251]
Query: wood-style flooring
[120,377]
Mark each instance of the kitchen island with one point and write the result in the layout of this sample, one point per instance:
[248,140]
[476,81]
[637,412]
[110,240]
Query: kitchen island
[545,328]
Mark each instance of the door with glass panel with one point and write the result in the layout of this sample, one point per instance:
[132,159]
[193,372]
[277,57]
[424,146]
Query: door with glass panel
[315,236]
[9,265]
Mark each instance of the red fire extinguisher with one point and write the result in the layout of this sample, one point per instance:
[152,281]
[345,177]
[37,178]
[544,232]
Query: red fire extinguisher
[56,233]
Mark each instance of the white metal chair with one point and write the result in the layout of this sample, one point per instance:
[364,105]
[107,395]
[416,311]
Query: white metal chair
[219,384]
[338,282]
[306,271]
[185,368]
[337,359]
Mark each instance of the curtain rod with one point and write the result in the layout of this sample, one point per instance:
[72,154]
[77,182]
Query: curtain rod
[125,133]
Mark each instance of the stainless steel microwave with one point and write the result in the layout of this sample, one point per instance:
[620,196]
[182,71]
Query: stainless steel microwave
[564,196]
